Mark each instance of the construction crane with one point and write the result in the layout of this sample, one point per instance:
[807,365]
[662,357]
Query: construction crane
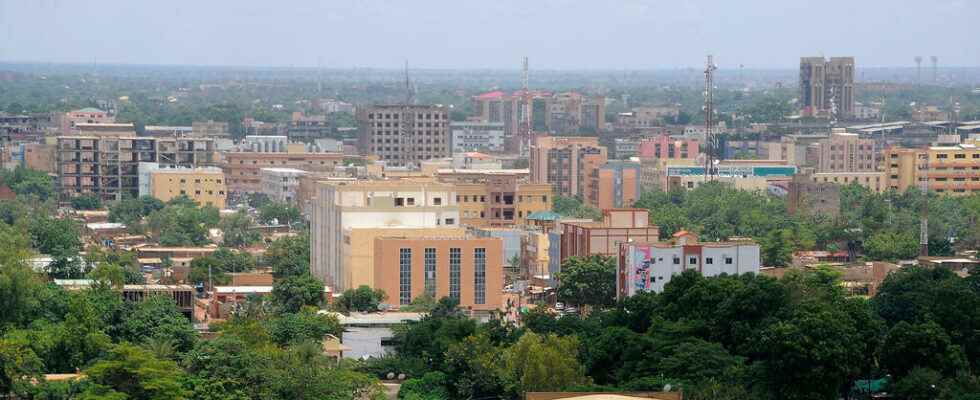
[709,109]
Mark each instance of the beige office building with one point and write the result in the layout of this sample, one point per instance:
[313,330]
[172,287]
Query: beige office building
[846,152]
[206,186]
[405,134]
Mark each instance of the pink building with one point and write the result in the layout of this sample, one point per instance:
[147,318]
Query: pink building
[665,147]
[87,115]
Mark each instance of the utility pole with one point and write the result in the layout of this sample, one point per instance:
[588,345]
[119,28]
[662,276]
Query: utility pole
[935,69]
[709,109]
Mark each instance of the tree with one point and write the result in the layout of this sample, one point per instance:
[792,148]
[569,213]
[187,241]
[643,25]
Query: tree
[543,363]
[431,386]
[293,293]
[588,281]
[131,211]
[776,250]
[58,237]
[18,366]
[237,232]
[890,246]
[289,256]
[26,182]
[130,372]
[918,384]
[474,366]
[182,223]
[86,202]
[305,325]
[157,316]
[281,213]
[922,345]
[362,299]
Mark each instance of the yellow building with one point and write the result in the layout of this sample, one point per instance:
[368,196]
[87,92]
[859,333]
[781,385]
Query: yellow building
[950,169]
[358,248]
[873,181]
[203,185]
[501,201]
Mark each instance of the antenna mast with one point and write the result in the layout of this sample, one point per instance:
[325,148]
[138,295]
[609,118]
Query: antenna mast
[409,95]
[709,109]
[526,136]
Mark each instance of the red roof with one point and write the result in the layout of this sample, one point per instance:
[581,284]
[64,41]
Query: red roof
[680,233]
[491,95]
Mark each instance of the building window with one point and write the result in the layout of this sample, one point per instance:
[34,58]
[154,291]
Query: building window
[399,201]
[410,201]
[430,271]
[405,276]
[479,275]
[450,221]
[692,260]
[709,260]
[437,201]
[677,260]
[728,260]
[455,259]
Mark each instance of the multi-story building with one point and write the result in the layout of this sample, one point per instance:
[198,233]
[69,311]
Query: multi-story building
[500,199]
[827,86]
[846,152]
[210,128]
[338,206]
[104,129]
[24,127]
[567,163]
[265,144]
[357,250]
[667,148]
[948,169]
[204,185]
[615,185]
[873,181]
[39,156]
[251,126]
[331,106]
[643,118]
[280,184]
[405,134]
[740,174]
[87,115]
[649,267]
[477,136]
[468,269]
[109,166]
[622,225]
[242,168]
[166,131]
[308,127]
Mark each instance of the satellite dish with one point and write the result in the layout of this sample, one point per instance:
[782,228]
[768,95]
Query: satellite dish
[667,387]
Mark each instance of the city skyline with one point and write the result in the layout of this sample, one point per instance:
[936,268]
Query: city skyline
[765,34]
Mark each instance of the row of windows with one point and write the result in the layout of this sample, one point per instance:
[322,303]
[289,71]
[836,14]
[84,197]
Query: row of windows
[283,162]
[197,180]
[396,116]
[483,199]
[694,260]
[455,261]
[198,192]
[395,141]
[418,125]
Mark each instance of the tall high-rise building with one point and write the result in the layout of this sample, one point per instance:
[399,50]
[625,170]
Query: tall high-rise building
[405,134]
[846,152]
[826,85]
[567,162]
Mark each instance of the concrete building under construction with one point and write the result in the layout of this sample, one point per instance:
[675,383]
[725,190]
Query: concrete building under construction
[108,166]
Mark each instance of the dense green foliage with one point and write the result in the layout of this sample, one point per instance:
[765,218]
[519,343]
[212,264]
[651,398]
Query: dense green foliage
[572,207]
[289,256]
[362,299]
[237,230]
[727,337]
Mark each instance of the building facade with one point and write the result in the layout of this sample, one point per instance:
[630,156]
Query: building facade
[566,163]
[649,267]
[338,206]
[280,184]
[468,269]
[357,250]
[500,200]
[827,86]
[583,239]
[951,170]
[477,136]
[405,134]
[242,168]
[206,186]
[109,166]
[615,185]
[84,116]
[846,152]
[210,128]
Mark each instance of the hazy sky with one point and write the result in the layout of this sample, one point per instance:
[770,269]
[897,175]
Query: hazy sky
[560,34]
